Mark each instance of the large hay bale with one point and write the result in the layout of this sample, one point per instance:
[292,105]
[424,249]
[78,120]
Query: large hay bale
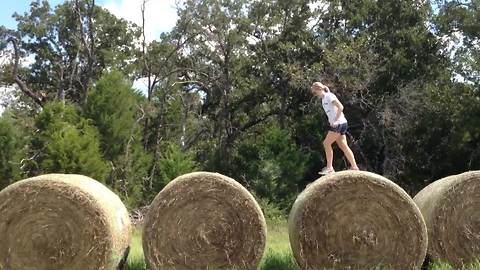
[451,208]
[62,222]
[204,221]
[356,220]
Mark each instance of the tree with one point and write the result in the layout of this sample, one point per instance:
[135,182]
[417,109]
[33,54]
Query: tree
[286,56]
[175,162]
[228,91]
[65,143]
[117,111]
[388,45]
[434,121]
[12,145]
[282,168]
[217,65]
[459,24]
[71,45]
[74,149]
[114,107]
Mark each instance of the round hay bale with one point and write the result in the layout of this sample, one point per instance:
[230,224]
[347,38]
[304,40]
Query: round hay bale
[356,220]
[451,208]
[62,222]
[204,221]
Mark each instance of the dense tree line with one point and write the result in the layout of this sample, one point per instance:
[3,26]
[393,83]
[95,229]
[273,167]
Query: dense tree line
[228,91]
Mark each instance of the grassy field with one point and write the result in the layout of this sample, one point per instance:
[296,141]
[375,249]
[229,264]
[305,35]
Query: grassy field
[277,257]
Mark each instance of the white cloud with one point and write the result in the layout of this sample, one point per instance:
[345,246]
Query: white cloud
[160,15]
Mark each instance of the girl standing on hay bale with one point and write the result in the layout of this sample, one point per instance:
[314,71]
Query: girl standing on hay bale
[338,127]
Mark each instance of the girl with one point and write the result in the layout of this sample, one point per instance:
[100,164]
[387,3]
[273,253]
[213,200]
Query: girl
[338,127]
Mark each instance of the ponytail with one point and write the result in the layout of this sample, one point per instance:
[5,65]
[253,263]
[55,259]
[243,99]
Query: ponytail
[322,86]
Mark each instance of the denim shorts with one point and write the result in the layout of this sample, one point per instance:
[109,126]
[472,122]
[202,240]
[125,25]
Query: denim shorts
[342,128]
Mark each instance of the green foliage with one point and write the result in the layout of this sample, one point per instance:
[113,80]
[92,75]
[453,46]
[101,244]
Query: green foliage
[130,175]
[73,44]
[230,85]
[11,145]
[373,50]
[442,120]
[66,143]
[175,162]
[458,23]
[272,213]
[281,167]
[54,116]
[74,149]
[115,109]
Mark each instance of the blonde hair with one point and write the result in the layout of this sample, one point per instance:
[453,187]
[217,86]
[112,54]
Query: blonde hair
[321,86]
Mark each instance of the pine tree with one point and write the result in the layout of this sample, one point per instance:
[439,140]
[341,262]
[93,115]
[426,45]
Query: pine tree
[115,108]
[11,145]
[66,143]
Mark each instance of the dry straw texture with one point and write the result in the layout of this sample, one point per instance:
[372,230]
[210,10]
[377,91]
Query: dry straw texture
[61,222]
[356,220]
[204,221]
[451,208]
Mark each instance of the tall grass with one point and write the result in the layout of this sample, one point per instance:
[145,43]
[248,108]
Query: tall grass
[279,254]
[136,260]
[277,257]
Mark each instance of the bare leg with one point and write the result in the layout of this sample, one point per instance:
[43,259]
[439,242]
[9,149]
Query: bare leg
[327,144]
[342,143]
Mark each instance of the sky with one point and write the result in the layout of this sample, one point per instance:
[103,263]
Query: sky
[19,6]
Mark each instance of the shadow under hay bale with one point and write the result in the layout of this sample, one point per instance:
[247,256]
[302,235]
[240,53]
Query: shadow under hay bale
[204,221]
[356,220]
[451,209]
[62,222]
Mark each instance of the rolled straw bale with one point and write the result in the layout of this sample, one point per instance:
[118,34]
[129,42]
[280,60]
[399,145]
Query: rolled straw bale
[356,220]
[451,208]
[204,221]
[62,222]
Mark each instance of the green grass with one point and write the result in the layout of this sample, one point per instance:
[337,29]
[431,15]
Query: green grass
[278,255]
[443,266]
[136,260]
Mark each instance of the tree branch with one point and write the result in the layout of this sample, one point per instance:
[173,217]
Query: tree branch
[39,99]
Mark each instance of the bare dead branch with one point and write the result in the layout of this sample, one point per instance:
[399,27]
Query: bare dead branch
[37,98]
